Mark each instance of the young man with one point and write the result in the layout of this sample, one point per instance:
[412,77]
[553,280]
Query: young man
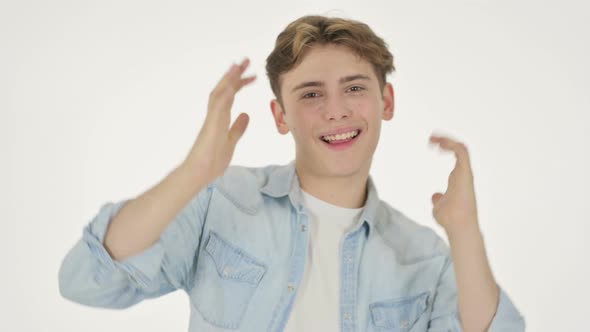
[306,246]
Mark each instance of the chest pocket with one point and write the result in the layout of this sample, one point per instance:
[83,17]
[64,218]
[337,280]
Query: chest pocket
[225,281]
[398,314]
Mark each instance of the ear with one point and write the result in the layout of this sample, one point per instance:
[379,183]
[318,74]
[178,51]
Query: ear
[388,102]
[279,116]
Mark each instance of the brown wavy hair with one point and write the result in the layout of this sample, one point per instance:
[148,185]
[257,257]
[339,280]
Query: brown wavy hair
[300,35]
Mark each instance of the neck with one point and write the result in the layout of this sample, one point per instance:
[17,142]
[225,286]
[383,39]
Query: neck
[348,191]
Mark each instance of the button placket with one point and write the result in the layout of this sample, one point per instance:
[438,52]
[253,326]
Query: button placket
[347,316]
[349,282]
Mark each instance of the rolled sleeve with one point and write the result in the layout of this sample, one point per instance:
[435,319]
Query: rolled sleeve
[445,314]
[507,317]
[141,269]
[88,274]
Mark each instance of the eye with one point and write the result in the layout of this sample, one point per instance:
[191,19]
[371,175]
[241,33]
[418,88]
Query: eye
[310,95]
[356,88]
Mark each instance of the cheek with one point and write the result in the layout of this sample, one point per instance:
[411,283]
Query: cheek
[373,110]
[364,104]
[303,123]
[366,110]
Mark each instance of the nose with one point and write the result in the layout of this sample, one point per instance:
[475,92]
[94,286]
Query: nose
[335,108]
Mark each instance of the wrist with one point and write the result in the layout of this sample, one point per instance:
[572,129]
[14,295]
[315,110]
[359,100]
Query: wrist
[468,230]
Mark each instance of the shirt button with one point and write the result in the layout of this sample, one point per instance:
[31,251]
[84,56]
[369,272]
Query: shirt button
[291,288]
[226,271]
[349,259]
[303,228]
[404,323]
[347,317]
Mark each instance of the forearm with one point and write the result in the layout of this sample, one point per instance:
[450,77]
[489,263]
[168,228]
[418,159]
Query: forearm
[478,292]
[141,221]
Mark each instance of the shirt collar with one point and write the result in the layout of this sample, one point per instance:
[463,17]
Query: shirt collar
[283,181]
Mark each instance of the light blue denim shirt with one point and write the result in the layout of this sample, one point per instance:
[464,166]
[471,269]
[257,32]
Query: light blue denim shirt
[239,248]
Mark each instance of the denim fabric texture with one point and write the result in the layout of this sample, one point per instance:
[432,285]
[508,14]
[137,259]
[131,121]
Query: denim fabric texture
[238,250]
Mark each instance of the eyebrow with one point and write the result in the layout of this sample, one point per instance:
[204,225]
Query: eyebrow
[343,80]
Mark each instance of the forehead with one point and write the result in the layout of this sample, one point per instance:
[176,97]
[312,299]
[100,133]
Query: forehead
[326,63]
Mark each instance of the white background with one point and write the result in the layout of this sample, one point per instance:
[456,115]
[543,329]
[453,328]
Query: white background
[100,100]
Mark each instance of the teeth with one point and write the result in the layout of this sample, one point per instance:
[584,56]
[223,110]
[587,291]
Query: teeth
[340,136]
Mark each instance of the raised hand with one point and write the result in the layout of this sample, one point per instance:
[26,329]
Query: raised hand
[455,209]
[214,147]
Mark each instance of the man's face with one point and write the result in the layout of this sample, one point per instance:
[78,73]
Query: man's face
[333,91]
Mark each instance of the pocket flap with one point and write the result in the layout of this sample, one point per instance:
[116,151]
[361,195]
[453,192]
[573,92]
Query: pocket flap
[232,262]
[399,314]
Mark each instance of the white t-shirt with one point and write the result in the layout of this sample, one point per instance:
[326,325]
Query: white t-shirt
[317,305]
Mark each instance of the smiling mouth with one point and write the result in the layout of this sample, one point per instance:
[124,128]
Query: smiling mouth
[341,138]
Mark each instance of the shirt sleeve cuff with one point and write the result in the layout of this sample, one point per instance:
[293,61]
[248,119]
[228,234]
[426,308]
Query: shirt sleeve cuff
[507,317]
[141,269]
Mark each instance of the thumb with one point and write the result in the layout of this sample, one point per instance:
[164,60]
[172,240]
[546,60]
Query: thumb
[436,197]
[238,128]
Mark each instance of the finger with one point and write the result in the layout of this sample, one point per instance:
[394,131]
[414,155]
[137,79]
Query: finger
[224,100]
[222,96]
[458,148]
[436,197]
[232,75]
[242,66]
[245,81]
[236,80]
[231,71]
[237,129]
[233,78]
